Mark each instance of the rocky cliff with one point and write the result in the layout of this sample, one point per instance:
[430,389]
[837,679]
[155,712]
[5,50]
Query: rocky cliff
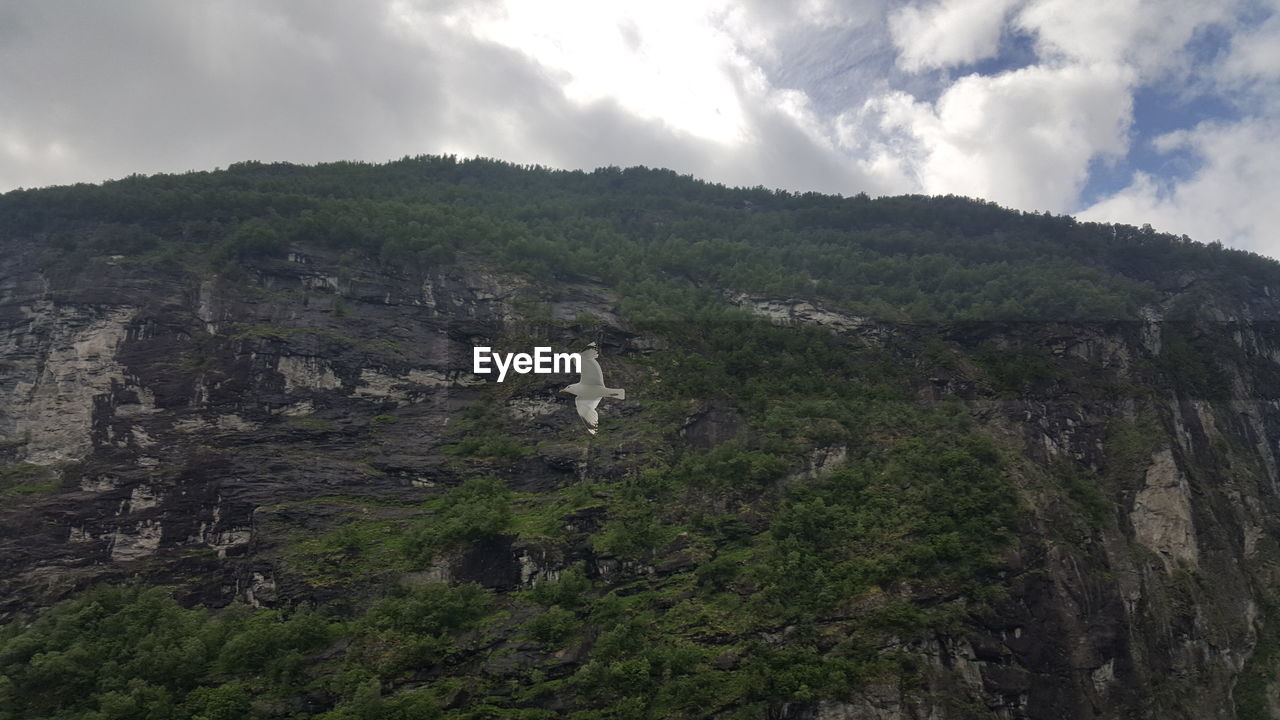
[245,436]
[154,425]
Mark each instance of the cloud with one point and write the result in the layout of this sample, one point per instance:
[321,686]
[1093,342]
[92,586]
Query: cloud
[1251,66]
[1027,137]
[1232,197]
[677,91]
[160,86]
[1233,194]
[660,60]
[1023,138]
[93,91]
[951,32]
[1150,36]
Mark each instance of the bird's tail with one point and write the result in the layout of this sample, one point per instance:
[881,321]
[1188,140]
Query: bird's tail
[615,393]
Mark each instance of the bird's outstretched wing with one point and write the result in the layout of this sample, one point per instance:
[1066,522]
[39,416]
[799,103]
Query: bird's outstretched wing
[587,409]
[591,372]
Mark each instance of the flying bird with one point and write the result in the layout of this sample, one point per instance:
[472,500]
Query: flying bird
[590,388]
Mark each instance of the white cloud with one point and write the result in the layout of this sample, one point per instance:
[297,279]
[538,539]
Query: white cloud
[950,32]
[1234,194]
[1083,31]
[1234,197]
[1254,55]
[663,60]
[1023,138]
[1026,137]
[759,26]
[1148,35]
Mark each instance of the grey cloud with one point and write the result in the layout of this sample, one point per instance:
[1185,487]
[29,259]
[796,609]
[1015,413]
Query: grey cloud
[167,86]
[160,86]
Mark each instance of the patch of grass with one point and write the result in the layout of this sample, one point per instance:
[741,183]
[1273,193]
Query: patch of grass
[490,445]
[634,528]
[357,502]
[198,362]
[1085,490]
[27,479]
[1129,446]
[389,346]
[537,516]
[479,508]
[352,553]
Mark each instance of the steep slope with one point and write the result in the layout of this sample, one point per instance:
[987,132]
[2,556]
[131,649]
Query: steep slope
[1026,470]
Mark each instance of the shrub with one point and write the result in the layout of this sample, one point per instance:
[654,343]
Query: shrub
[552,627]
[566,591]
[479,508]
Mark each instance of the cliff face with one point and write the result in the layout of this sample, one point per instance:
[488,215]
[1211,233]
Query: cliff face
[170,427]
[176,411]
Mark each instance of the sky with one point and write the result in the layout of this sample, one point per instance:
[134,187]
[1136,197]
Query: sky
[1164,112]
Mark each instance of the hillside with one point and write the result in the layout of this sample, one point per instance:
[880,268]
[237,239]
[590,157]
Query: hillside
[897,458]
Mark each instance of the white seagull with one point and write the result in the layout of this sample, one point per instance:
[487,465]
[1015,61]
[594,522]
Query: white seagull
[590,388]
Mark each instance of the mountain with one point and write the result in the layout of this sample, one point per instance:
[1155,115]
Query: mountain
[897,458]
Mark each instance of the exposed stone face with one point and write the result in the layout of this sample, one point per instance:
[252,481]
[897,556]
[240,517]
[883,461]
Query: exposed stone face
[196,420]
[714,425]
[306,373]
[820,462]
[797,311]
[137,542]
[178,406]
[61,362]
[529,408]
[1161,514]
